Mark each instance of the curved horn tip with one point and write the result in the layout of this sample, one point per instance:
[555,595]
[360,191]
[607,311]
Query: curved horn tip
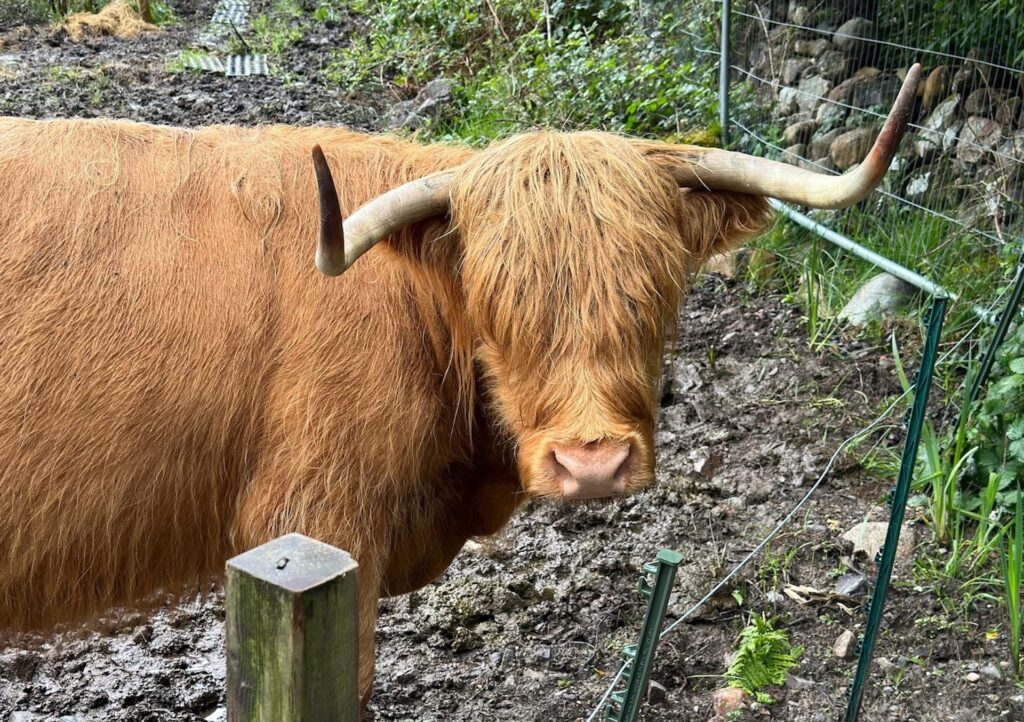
[330,250]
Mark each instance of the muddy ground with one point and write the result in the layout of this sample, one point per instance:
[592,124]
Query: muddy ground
[530,625]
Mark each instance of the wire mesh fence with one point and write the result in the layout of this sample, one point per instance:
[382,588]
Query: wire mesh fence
[810,83]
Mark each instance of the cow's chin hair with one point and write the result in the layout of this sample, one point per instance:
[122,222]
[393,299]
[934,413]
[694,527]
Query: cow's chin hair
[539,483]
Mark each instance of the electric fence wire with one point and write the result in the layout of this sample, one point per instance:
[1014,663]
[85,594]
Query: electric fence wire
[856,436]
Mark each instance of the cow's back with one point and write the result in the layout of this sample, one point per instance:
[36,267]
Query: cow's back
[161,326]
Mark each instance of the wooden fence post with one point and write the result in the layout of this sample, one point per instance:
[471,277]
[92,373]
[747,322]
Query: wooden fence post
[292,631]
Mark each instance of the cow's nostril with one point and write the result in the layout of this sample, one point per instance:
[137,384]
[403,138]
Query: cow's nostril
[587,471]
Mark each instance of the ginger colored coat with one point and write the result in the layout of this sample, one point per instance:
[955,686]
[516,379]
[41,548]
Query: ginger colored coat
[179,384]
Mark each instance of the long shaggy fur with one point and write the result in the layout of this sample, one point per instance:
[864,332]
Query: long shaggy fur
[179,383]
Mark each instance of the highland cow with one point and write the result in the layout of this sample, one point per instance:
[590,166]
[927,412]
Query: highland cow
[178,383]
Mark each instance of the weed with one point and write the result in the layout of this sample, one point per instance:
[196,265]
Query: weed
[1011,557]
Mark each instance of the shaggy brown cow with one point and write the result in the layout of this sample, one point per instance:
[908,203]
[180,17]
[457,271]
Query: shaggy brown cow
[179,383]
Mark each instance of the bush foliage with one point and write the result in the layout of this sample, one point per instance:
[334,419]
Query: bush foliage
[519,64]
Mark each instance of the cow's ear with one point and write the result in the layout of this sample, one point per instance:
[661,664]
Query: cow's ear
[713,222]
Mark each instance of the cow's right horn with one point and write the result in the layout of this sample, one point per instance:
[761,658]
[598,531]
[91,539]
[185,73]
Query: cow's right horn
[342,243]
[716,169]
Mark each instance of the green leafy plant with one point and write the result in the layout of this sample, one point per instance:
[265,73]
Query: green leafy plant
[998,428]
[762,659]
[519,64]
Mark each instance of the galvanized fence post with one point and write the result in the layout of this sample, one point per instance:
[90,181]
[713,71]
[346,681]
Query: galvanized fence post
[292,633]
[899,502]
[723,76]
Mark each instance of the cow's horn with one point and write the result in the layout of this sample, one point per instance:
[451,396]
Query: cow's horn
[330,249]
[342,243]
[725,170]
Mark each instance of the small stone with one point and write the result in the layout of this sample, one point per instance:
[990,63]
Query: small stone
[992,671]
[973,677]
[917,186]
[799,683]
[730,701]
[812,48]
[218,715]
[885,664]
[656,693]
[852,585]
[801,15]
[845,645]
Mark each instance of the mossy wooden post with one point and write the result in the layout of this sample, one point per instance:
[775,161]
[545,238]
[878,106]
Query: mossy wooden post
[292,631]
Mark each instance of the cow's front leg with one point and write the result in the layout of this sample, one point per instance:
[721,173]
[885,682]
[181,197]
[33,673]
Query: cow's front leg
[369,593]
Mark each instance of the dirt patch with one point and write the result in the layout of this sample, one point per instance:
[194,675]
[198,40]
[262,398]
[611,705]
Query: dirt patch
[530,625]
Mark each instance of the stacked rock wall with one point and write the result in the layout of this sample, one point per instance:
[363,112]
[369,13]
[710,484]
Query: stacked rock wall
[820,81]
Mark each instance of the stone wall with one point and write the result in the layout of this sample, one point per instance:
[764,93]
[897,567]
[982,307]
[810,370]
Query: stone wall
[819,87]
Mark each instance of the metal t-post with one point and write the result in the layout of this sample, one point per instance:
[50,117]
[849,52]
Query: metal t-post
[723,77]
[899,504]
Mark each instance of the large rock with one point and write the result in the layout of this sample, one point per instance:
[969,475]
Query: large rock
[866,88]
[984,101]
[813,90]
[868,538]
[880,296]
[792,68]
[854,38]
[852,147]
[1011,152]
[934,128]
[1009,112]
[936,87]
[979,136]
[788,102]
[833,64]
[798,132]
[794,153]
[820,144]
[830,115]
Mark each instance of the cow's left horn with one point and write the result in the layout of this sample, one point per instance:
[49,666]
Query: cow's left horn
[342,243]
[725,170]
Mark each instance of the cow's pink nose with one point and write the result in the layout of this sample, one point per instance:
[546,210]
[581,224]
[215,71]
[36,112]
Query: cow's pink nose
[590,471]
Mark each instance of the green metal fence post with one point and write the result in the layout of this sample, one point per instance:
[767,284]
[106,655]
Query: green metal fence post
[899,503]
[1007,316]
[639,657]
